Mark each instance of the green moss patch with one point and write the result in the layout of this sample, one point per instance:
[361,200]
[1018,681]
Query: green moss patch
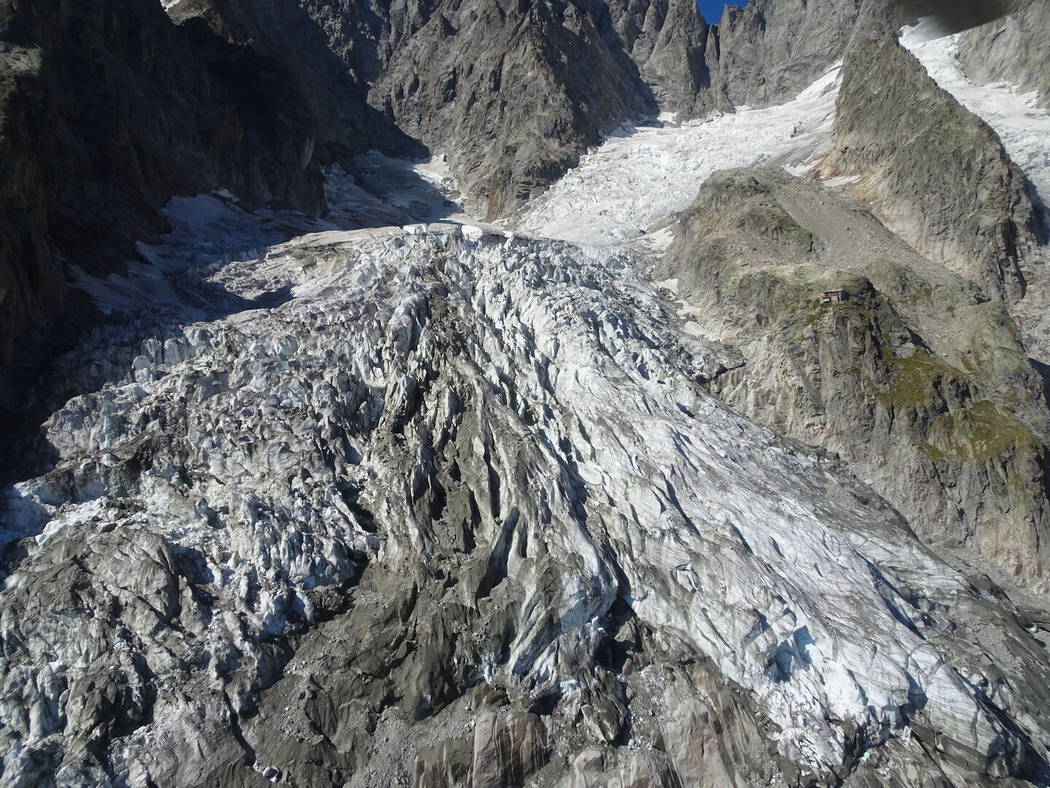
[913,381]
[978,433]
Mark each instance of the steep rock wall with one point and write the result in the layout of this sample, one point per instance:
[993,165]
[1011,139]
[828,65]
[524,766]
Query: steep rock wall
[1014,49]
[109,109]
[936,173]
[770,50]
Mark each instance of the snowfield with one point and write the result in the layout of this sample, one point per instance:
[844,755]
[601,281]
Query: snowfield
[642,174]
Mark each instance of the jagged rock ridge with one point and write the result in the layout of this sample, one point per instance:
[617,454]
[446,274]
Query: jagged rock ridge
[936,173]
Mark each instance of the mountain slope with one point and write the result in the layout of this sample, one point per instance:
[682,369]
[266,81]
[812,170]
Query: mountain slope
[458,504]
[1012,49]
[771,49]
[922,386]
[936,173]
[109,110]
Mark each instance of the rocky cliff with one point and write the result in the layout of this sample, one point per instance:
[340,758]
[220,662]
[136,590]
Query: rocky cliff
[451,81]
[1013,49]
[934,172]
[675,49]
[920,384]
[330,52]
[438,76]
[108,110]
[771,49]
[452,504]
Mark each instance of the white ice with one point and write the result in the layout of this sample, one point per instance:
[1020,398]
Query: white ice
[641,175]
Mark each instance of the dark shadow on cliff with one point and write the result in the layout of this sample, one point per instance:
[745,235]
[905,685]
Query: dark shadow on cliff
[89,348]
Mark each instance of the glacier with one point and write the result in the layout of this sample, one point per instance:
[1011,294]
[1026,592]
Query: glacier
[489,443]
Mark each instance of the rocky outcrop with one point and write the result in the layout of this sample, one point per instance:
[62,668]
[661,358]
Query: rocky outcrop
[31,281]
[108,109]
[494,87]
[934,172]
[770,50]
[916,381]
[331,52]
[675,49]
[451,507]
[1013,49]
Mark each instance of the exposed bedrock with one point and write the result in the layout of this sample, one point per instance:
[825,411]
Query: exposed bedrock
[770,50]
[916,380]
[512,92]
[1013,49]
[330,52]
[675,49]
[494,86]
[934,172]
[107,109]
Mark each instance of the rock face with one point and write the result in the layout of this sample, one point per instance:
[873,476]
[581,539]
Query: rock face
[1013,49]
[935,173]
[494,576]
[771,49]
[675,49]
[180,112]
[768,51]
[451,81]
[330,52]
[31,281]
[487,83]
[920,384]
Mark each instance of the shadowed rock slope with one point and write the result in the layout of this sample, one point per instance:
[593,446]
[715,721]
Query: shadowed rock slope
[511,91]
[107,109]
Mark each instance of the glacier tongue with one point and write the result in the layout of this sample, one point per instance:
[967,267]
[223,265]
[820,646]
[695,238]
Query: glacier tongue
[499,441]
[639,176]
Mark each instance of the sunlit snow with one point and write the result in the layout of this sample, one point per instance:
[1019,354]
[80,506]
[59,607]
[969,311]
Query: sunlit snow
[640,175]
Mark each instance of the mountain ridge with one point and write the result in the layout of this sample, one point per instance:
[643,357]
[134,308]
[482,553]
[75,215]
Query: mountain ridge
[543,460]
